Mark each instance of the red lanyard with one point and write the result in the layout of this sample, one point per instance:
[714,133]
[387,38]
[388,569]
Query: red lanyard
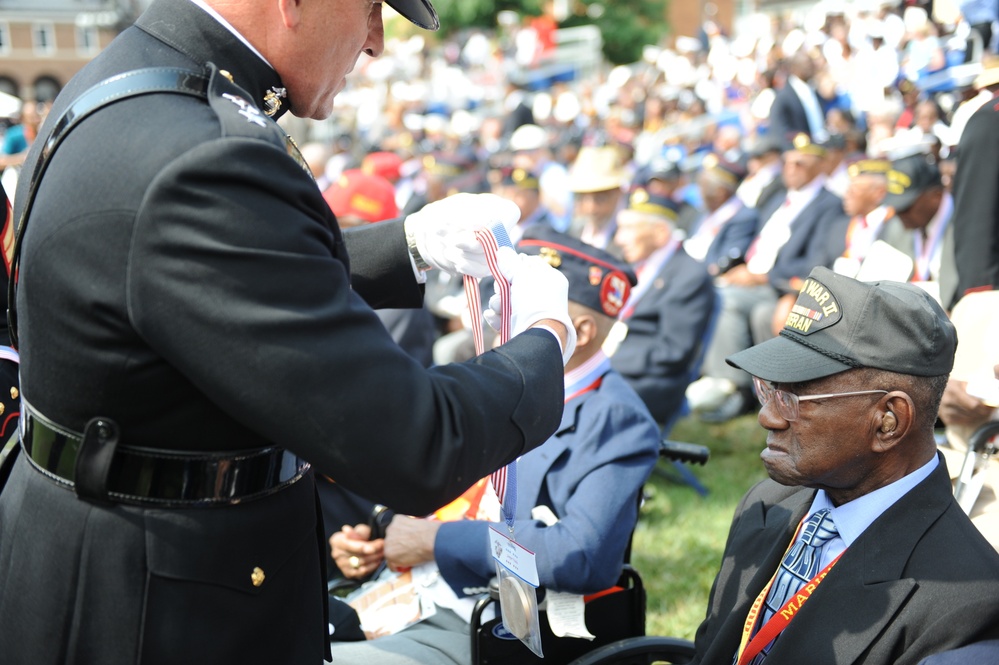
[781,618]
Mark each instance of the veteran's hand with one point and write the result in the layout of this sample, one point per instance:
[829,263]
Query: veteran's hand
[444,231]
[957,407]
[409,541]
[354,553]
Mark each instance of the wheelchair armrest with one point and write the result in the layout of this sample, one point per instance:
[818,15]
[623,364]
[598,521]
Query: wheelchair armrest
[982,435]
[341,585]
[679,451]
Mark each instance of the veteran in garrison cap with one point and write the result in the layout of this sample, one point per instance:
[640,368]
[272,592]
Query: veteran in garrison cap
[849,393]
[575,494]
[870,216]
[727,227]
[661,329]
[523,187]
[924,232]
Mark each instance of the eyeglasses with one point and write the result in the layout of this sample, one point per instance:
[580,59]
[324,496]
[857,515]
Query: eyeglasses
[787,403]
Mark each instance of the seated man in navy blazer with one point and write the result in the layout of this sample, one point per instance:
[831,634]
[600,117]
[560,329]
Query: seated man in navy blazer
[576,494]
[854,550]
[722,235]
[661,328]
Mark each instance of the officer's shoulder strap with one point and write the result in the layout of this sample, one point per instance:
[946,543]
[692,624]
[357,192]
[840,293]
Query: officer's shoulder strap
[122,86]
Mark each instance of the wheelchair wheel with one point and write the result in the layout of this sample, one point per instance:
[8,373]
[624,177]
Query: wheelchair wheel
[640,651]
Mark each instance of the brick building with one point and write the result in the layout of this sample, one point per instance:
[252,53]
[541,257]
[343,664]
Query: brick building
[43,43]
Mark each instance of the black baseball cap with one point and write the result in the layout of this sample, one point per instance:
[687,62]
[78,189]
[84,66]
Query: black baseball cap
[908,178]
[596,279]
[419,12]
[839,323]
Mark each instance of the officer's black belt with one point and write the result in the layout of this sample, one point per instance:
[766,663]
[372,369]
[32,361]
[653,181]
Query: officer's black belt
[150,476]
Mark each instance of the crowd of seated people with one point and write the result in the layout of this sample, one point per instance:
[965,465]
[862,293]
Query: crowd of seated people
[721,190]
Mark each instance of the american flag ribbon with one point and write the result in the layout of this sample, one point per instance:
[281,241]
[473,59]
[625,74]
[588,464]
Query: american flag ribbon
[504,480]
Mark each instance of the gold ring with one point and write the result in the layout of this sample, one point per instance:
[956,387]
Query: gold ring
[355,563]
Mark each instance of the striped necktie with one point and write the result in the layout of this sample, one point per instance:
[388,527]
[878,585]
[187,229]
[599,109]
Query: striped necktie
[800,565]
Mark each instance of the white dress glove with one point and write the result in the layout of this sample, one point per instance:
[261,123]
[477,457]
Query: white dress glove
[537,291]
[443,232]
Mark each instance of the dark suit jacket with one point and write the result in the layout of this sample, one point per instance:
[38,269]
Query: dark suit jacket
[818,224]
[734,237]
[183,276]
[787,115]
[665,334]
[919,580]
[976,203]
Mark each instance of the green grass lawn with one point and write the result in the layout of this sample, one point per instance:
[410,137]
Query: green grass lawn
[680,535]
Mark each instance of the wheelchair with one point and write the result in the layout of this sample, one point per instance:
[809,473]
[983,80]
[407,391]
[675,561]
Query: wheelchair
[616,616]
[983,444]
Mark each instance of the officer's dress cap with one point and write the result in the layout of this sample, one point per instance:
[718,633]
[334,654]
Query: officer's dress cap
[419,12]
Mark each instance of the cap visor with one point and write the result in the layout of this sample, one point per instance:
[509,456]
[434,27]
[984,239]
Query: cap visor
[901,202]
[419,12]
[782,360]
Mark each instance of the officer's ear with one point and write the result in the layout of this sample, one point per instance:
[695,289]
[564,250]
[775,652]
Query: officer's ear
[291,12]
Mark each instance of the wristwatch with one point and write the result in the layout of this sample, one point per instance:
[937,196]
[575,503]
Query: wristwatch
[418,259]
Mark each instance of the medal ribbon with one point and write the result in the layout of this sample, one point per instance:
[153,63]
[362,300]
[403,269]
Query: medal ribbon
[925,251]
[748,648]
[504,480]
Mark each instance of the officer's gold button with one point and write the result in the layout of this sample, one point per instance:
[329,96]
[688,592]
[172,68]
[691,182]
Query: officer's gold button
[14,392]
[2,408]
[257,576]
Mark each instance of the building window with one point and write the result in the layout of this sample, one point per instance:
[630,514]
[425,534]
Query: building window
[87,40]
[46,88]
[43,36]
[4,38]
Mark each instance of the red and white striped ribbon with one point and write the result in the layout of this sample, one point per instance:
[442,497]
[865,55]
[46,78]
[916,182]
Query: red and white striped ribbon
[504,480]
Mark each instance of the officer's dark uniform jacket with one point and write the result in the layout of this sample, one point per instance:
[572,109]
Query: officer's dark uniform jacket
[183,276]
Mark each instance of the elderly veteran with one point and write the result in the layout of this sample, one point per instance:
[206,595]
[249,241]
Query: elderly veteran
[854,551]
[925,210]
[722,235]
[597,179]
[576,494]
[661,329]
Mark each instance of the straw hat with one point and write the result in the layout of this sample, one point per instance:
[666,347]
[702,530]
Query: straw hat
[990,72]
[596,170]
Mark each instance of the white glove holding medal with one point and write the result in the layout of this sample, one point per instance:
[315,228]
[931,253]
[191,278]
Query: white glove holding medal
[443,232]
[537,291]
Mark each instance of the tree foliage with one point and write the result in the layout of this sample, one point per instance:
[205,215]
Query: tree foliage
[626,25]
